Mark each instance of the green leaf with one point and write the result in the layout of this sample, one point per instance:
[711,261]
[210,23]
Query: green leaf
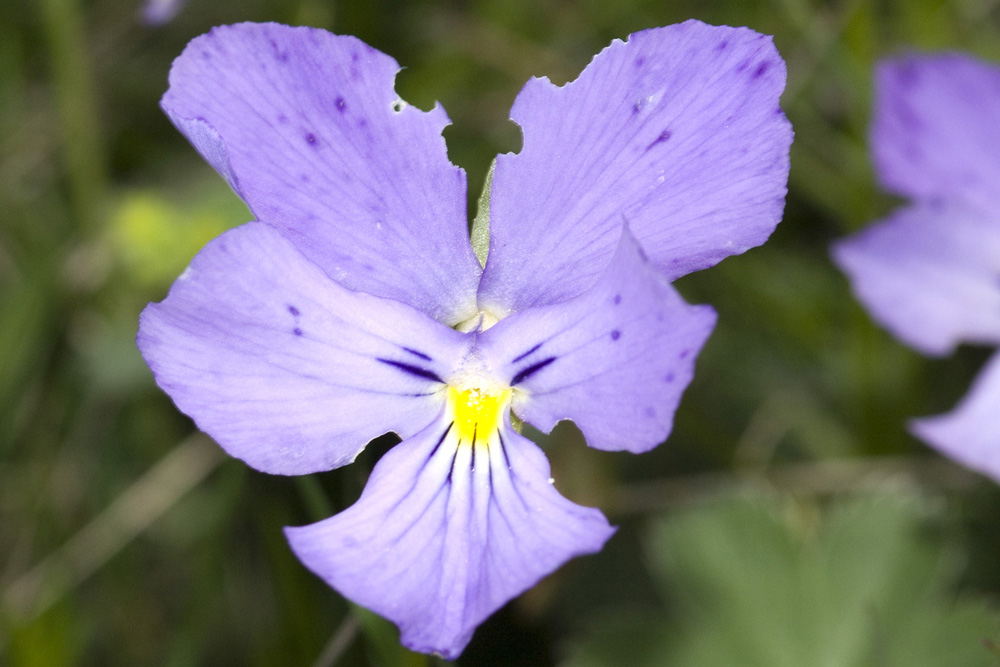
[774,584]
[153,238]
[626,636]
[55,638]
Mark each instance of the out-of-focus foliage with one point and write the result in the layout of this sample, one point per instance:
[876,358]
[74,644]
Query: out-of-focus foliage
[125,540]
[766,582]
[154,238]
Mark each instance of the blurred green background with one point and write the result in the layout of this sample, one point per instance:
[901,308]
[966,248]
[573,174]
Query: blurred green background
[790,520]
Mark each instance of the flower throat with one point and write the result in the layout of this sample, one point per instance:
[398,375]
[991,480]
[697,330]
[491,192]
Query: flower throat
[476,413]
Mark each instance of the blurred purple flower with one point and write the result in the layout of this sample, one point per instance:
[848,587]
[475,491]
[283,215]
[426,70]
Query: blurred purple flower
[356,306]
[930,272]
[155,13]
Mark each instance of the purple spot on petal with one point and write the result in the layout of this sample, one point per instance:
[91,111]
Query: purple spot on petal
[684,354]
[310,138]
[304,178]
[297,331]
[721,46]
[664,136]
[743,65]
[616,334]
[354,57]
[651,412]
[341,104]
[908,118]
[669,378]
[282,118]
[907,75]
[618,299]
[639,62]
[206,55]
[761,68]
[294,311]
[278,53]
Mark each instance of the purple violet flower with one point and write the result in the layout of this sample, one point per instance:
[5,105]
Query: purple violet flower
[356,305]
[930,272]
[156,13]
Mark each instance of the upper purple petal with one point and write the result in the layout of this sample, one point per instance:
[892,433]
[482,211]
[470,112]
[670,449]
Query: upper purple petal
[935,133]
[307,128]
[443,535]
[930,274]
[286,369]
[970,433]
[677,131]
[615,359]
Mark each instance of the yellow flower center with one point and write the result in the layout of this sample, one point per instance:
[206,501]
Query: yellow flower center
[476,413]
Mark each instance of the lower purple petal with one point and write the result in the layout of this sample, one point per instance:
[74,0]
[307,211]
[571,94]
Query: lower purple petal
[970,433]
[444,535]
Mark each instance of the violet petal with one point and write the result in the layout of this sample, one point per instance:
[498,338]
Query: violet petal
[615,360]
[444,535]
[930,274]
[284,368]
[676,131]
[935,133]
[307,128]
[970,433]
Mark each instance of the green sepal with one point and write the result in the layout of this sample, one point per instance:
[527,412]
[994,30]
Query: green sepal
[481,225]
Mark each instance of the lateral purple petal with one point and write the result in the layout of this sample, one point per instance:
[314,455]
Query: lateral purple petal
[935,133]
[614,360]
[928,273]
[676,131]
[286,369]
[307,128]
[445,535]
[970,433]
